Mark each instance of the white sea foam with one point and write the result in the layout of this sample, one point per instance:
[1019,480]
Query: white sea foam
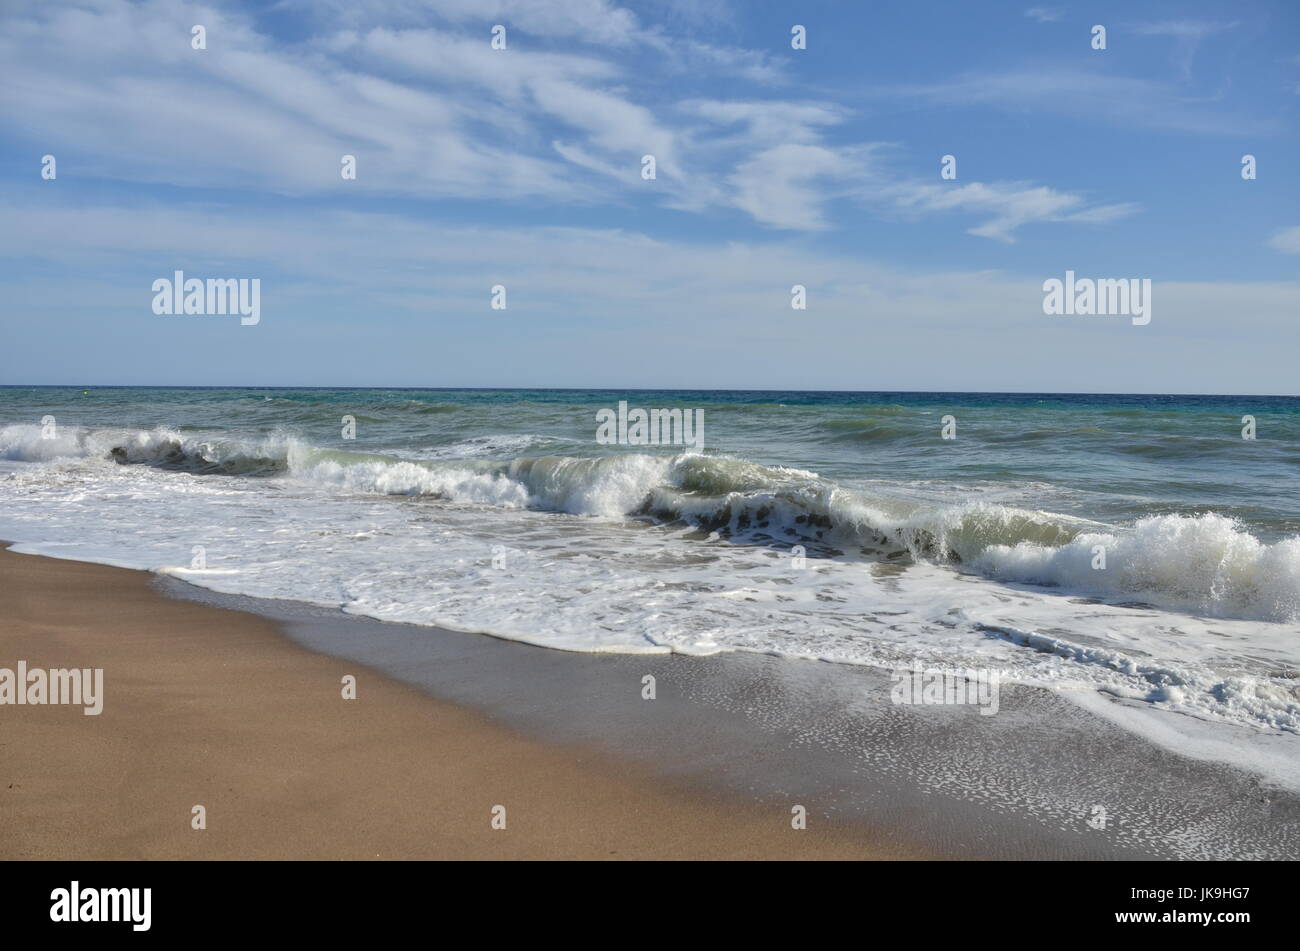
[409,478]
[29,443]
[899,575]
[1206,564]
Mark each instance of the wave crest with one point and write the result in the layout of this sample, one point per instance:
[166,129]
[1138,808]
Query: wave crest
[1205,563]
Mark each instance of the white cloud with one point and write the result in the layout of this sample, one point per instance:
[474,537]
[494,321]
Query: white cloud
[766,122]
[796,174]
[1083,94]
[611,123]
[121,86]
[777,186]
[1045,14]
[1188,35]
[1011,204]
[1286,241]
[592,21]
[430,113]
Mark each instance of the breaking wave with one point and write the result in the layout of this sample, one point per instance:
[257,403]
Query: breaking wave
[1205,563]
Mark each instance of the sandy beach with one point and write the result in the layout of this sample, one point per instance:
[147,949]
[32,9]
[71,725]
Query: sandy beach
[212,707]
[651,431]
[235,704]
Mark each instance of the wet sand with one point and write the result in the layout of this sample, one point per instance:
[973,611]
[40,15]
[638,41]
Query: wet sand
[214,707]
[234,703]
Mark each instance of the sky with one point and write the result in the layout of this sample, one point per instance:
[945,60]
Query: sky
[523,167]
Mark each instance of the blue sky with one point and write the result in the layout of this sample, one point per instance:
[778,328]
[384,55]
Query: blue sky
[775,167]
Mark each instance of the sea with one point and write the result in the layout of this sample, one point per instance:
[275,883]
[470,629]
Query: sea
[1138,554]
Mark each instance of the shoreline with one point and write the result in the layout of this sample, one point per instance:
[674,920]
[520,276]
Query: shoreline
[208,706]
[730,740]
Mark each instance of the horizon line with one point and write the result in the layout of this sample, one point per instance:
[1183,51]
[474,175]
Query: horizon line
[608,389]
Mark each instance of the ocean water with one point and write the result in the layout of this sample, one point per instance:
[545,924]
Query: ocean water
[834,526]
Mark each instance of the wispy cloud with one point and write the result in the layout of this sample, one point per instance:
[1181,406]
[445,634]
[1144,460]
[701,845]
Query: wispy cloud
[1188,36]
[1045,14]
[1084,94]
[778,186]
[1012,205]
[1286,241]
[435,112]
[590,21]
